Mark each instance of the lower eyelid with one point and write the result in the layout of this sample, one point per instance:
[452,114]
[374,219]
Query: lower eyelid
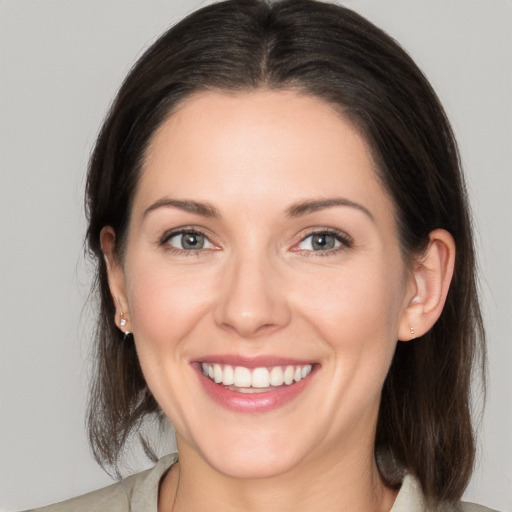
[175,234]
[344,241]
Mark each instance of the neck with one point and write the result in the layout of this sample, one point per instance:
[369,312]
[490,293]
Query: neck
[332,484]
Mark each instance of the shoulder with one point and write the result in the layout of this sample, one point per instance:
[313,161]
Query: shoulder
[411,499]
[473,507]
[115,498]
[136,493]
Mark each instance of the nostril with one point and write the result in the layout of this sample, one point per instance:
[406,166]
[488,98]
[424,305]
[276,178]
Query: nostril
[249,328]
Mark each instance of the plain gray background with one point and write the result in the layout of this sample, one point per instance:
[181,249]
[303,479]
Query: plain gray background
[61,62]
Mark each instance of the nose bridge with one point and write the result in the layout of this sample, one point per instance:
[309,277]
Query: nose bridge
[251,301]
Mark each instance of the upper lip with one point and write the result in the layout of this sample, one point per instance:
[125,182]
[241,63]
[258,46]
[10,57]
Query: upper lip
[252,361]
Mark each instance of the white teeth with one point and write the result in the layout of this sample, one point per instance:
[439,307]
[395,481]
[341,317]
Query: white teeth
[276,376]
[217,373]
[259,378]
[229,376]
[242,377]
[288,375]
[305,371]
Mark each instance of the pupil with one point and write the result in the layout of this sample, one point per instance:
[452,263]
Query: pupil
[192,241]
[323,241]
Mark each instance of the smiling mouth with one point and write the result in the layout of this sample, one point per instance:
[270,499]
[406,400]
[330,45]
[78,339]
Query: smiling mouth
[255,380]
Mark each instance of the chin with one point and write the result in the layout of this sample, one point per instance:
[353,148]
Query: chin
[254,466]
[252,458]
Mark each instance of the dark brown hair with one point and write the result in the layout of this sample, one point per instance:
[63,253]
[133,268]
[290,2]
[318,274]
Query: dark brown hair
[334,54]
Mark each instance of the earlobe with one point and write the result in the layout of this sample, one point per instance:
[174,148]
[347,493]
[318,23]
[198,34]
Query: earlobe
[115,278]
[431,274]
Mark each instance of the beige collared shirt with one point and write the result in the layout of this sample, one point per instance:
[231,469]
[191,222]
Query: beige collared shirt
[139,493]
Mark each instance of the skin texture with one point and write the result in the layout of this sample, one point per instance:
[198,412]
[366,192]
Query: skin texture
[258,288]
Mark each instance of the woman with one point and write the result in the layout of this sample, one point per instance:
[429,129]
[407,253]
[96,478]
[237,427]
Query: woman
[274,200]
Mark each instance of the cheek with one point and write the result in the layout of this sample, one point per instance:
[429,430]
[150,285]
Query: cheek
[352,302]
[165,304]
[356,314]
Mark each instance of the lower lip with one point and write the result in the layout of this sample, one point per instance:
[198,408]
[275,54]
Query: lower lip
[259,402]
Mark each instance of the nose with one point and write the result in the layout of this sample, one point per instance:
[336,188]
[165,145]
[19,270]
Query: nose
[252,300]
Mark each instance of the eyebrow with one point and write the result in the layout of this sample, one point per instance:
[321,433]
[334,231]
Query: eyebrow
[203,209]
[307,207]
[295,210]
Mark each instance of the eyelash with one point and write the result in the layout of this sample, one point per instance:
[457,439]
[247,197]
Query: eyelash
[164,241]
[345,242]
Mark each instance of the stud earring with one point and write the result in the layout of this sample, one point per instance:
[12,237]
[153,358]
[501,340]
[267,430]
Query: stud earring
[412,330]
[122,321]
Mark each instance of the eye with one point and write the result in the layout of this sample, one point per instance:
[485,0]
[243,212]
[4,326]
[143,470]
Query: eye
[323,241]
[188,241]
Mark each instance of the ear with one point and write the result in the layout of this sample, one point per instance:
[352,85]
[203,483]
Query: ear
[431,276]
[115,278]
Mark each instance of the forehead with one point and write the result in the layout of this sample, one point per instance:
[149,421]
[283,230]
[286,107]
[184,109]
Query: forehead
[258,147]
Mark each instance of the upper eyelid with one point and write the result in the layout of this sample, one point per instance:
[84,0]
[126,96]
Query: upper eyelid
[345,242]
[343,236]
[185,229]
[164,241]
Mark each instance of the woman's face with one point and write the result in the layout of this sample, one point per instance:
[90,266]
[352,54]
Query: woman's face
[263,251]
